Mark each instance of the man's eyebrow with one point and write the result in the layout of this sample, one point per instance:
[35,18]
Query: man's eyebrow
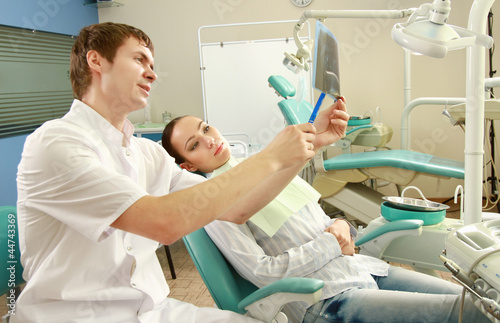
[189,139]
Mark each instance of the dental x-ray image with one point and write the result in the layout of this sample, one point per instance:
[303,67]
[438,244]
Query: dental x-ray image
[326,62]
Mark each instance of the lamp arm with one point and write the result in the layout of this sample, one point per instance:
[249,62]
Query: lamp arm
[324,14]
[299,61]
[304,49]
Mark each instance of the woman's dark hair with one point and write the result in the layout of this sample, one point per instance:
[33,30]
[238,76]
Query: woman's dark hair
[167,143]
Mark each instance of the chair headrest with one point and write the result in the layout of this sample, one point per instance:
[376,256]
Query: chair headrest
[282,86]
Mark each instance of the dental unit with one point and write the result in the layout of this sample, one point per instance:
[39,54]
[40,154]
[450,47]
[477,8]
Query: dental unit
[467,247]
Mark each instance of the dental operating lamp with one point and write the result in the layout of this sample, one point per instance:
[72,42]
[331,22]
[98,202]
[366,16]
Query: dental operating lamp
[427,33]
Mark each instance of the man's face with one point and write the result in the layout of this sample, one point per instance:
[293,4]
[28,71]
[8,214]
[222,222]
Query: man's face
[127,81]
[201,145]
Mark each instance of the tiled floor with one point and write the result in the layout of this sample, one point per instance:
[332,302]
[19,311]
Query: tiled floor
[188,286]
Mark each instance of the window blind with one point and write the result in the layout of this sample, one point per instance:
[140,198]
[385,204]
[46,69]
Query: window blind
[34,79]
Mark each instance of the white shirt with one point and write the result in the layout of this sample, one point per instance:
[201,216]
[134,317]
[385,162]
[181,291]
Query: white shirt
[77,175]
[300,248]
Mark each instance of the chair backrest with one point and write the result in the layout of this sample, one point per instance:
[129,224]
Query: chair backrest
[10,256]
[225,285]
[295,112]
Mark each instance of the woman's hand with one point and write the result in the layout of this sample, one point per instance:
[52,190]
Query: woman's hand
[342,232]
[331,124]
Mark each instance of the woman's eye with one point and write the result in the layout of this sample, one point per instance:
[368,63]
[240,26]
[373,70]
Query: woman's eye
[194,146]
[206,129]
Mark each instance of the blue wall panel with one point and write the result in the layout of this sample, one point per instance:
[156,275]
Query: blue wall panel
[58,16]
[11,149]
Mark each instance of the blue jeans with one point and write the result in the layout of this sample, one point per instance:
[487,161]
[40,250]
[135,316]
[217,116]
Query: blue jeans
[404,296]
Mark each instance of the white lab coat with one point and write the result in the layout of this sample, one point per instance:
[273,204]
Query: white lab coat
[77,175]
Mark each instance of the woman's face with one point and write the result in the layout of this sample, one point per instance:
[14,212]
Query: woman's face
[201,145]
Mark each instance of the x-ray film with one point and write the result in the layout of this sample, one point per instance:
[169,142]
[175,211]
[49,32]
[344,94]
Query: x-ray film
[326,62]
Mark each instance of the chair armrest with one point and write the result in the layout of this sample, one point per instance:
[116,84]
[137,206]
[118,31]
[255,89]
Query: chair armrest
[392,226]
[265,303]
[373,242]
[358,128]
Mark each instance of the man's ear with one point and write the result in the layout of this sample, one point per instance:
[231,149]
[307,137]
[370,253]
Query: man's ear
[188,166]
[94,59]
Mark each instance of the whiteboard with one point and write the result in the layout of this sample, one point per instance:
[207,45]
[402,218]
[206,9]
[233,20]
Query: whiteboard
[237,96]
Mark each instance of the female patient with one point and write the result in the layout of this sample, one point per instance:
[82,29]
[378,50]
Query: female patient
[292,237]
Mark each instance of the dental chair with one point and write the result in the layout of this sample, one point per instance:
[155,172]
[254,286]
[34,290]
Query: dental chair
[339,179]
[231,292]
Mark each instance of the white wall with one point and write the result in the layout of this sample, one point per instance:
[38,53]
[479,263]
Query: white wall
[371,66]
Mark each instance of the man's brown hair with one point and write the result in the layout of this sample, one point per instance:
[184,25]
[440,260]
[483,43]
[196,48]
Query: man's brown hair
[105,38]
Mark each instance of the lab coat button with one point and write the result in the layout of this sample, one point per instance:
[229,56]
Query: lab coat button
[128,153]
[129,248]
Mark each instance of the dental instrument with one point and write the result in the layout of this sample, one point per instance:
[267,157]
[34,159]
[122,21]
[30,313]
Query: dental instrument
[316,108]
[489,305]
[460,274]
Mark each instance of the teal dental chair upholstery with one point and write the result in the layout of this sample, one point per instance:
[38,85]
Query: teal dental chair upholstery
[10,257]
[232,292]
